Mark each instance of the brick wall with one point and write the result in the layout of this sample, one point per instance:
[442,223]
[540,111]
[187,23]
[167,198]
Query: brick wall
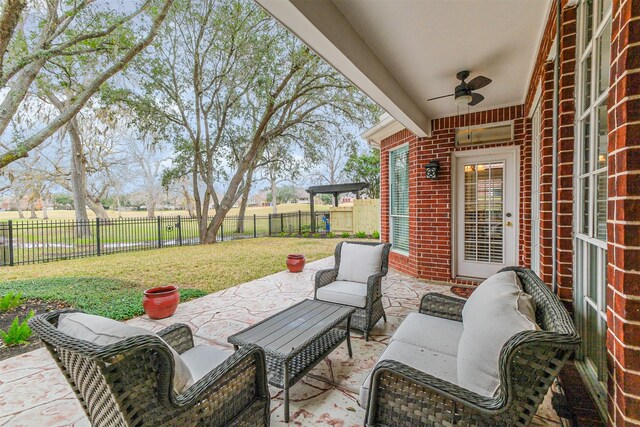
[566,143]
[546,173]
[623,227]
[430,200]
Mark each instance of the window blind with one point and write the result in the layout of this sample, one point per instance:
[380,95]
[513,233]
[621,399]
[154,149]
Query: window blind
[399,198]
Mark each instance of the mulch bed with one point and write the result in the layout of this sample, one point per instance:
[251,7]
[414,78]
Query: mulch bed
[462,291]
[6,317]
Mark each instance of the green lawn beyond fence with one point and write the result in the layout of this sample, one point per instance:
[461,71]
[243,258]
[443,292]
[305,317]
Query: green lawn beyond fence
[27,242]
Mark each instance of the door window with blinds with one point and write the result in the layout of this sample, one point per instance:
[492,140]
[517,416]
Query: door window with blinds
[483,212]
[399,198]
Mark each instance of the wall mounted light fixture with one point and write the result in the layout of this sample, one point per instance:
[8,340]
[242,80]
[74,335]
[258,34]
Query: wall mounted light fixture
[432,168]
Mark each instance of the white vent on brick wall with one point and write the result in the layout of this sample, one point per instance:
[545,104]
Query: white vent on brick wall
[485,134]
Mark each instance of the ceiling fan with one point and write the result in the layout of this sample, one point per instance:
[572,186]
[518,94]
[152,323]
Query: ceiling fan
[464,91]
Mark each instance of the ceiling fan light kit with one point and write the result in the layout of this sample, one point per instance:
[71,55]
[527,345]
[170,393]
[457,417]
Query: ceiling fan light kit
[463,100]
[464,92]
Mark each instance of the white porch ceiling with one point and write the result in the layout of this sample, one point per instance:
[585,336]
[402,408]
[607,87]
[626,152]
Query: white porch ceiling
[403,52]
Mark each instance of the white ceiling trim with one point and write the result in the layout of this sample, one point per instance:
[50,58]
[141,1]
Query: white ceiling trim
[321,26]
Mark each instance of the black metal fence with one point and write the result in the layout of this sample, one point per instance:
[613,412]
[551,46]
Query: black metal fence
[28,242]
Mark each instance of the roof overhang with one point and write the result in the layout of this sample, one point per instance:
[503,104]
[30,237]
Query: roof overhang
[400,53]
[385,127]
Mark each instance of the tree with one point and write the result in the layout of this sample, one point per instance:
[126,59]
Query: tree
[278,167]
[365,168]
[335,148]
[284,194]
[228,82]
[40,36]
[149,160]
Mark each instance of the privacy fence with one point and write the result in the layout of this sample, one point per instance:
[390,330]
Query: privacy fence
[34,241]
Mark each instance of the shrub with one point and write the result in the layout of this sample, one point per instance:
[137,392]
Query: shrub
[10,301]
[345,235]
[305,234]
[375,235]
[331,234]
[18,333]
[316,235]
[361,235]
[283,234]
[305,228]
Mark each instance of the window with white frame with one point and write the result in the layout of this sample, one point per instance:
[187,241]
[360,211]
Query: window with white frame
[590,170]
[399,198]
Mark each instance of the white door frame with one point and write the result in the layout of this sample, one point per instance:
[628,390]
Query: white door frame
[510,152]
[536,162]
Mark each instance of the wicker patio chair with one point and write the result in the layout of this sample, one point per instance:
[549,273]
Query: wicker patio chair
[129,383]
[529,362]
[364,319]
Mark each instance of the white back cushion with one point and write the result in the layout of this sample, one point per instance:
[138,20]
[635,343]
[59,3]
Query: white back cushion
[358,262]
[490,318]
[103,331]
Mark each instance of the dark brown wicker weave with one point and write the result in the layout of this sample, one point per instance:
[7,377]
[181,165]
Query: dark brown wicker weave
[364,319]
[130,383]
[529,362]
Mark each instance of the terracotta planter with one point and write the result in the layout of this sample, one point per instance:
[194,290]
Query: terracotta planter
[295,263]
[161,302]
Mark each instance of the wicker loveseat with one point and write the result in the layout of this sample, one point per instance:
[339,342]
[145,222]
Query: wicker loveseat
[364,294]
[131,382]
[528,362]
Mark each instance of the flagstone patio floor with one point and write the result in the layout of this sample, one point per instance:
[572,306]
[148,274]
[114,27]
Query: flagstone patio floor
[33,392]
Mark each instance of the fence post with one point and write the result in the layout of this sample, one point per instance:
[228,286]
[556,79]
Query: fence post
[159,232]
[269,224]
[299,222]
[222,230]
[255,231]
[281,222]
[10,242]
[98,250]
[179,225]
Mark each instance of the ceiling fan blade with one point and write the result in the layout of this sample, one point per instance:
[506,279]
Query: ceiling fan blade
[478,82]
[438,97]
[476,98]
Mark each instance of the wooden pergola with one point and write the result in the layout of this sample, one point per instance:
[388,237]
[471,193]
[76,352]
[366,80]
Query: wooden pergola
[335,189]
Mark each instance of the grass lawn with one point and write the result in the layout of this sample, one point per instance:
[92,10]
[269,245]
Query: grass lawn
[111,285]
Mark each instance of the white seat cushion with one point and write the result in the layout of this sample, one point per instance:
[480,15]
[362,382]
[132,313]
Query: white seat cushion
[358,262]
[435,333]
[437,364]
[344,292]
[490,317]
[202,359]
[103,331]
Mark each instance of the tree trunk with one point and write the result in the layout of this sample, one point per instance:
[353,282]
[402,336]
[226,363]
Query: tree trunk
[119,206]
[243,201]
[19,209]
[274,198]
[151,208]
[96,206]
[79,180]
[32,208]
[45,212]
[188,201]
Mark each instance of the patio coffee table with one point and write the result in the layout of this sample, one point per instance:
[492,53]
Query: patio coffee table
[297,339]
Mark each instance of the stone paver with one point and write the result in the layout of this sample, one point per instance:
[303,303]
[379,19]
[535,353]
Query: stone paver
[33,392]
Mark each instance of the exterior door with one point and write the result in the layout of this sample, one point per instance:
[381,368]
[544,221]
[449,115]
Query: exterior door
[486,222]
